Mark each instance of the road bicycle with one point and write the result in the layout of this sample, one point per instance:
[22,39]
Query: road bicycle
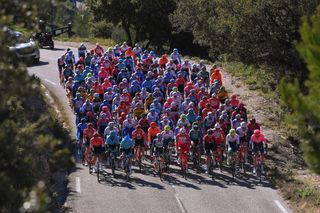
[233,164]
[259,164]
[243,149]
[127,166]
[197,157]
[159,164]
[111,156]
[184,163]
[168,156]
[218,156]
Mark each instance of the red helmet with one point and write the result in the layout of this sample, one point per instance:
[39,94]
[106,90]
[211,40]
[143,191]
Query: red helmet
[153,124]
[257,132]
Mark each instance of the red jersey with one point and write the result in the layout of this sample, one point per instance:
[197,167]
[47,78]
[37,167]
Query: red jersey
[218,135]
[96,141]
[88,132]
[208,139]
[138,134]
[183,141]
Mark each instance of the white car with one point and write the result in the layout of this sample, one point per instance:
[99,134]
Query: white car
[25,50]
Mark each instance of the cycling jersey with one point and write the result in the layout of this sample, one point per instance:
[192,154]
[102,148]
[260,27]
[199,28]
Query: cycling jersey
[96,141]
[232,142]
[138,134]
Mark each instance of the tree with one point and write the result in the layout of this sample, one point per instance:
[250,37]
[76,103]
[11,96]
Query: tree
[252,31]
[32,142]
[305,105]
[146,20]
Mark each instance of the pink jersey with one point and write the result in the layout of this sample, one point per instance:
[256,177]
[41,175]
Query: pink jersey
[258,139]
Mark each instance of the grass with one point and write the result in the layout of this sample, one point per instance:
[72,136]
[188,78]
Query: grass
[107,42]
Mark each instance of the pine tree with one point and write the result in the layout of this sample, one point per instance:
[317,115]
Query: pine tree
[305,105]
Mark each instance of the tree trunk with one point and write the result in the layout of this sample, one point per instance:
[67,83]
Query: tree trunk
[126,27]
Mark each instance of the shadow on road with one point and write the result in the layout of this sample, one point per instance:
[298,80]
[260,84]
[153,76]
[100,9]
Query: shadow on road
[55,49]
[40,63]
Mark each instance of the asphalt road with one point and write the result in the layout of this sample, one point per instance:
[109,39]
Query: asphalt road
[145,192]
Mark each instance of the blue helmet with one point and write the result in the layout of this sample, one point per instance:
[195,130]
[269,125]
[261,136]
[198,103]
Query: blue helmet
[175,50]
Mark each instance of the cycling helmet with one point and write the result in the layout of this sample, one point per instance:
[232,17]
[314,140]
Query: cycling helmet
[183,116]
[90,125]
[217,126]
[195,126]
[257,132]
[96,134]
[238,116]
[111,124]
[83,119]
[138,127]
[210,132]
[167,128]
[175,50]
[199,118]
[232,132]
[243,124]
[153,124]
[183,130]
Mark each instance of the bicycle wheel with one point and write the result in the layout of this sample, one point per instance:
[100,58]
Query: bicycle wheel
[233,169]
[211,168]
[159,170]
[98,172]
[259,172]
[112,166]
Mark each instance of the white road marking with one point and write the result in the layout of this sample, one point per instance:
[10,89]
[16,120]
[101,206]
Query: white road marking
[78,185]
[176,195]
[179,203]
[280,206]
[51,82]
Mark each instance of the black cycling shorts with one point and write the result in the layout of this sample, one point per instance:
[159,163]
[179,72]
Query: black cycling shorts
[258,147]
[139,142]
[209,147]
[97,150]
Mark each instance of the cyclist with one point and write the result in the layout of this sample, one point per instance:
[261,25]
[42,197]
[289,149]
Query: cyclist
[82,50]
[252,125]
[139,138]
[152,133]
[216,75]
[112,141]
[182,142]
[61,66]
[175,56]
[96,144]
[209,146]
[222,94]
[195,135]
[232,141]
[257,142]
[126,147]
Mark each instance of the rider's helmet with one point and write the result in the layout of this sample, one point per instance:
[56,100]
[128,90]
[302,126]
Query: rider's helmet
[232,132]
[257,132]
[183,116]
[138,127]
[175,50]
[238,116]
[243,124]
[217,126]
[90,125]
[195,126]
[167,128]
[210,132]
[183,130]
[153,124]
